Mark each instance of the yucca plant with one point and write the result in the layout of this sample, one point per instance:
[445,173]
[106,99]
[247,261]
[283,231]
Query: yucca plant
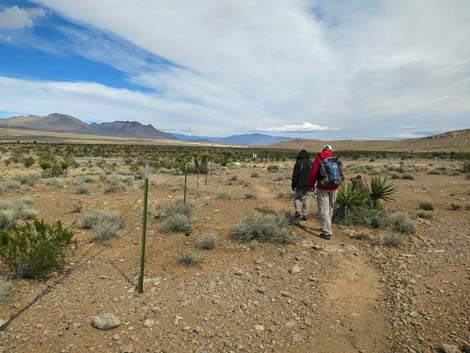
[380,189]
[350,200]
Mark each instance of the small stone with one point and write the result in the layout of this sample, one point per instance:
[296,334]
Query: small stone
[447,348]
[126,349]
[295,269]
[148,323]
[105,322]
[259,328]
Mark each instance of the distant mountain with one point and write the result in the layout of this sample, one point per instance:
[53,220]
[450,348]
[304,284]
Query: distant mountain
[457,141]
[245,139]
[66,123]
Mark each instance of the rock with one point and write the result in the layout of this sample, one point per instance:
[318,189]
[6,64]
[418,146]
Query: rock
[126,349]
[259,328]
[447,348]
[295,269]
[105,322]
[148,323]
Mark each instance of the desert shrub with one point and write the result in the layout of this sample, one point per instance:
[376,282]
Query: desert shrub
[426,206]
[50,169]
[34,250]
[101,216]
[224,196]
[5,287]
[455,206]
[76,206]
[56,183]
[190,259]
[249,196]
[376,171]
[408,176]
[272,168]
[393,240]
[260,227]
[351,204]
[207,242]
[466,167]
[424,215]
[395,175]
[28,162]
[11,212]
[113,184]
[435,171]
[233,178]
[106,227]
[27,179]
[12,185]
[175,223]
[255,174]
[82,190]
[179,186]
[285,195]
[174,207]
[401,223]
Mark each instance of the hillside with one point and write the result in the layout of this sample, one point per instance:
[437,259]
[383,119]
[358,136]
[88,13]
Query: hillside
[69,124]
[457,141]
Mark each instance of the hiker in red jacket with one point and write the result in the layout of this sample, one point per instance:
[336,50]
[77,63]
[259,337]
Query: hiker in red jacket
[327,177]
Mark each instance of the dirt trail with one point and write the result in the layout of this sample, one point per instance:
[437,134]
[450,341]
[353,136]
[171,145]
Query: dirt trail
[352,316]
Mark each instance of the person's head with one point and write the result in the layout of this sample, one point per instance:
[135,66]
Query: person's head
[327,148]
[303,154]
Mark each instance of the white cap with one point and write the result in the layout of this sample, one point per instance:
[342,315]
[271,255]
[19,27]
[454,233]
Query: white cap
[327,147]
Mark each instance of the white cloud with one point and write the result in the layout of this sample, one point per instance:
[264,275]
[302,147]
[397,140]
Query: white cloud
[355,64]
[303,127]
[17,18]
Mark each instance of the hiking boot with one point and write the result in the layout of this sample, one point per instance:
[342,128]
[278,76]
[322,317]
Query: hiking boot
[297,215]
[325,235]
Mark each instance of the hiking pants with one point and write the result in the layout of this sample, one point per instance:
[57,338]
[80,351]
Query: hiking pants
[326,202]
[302,202]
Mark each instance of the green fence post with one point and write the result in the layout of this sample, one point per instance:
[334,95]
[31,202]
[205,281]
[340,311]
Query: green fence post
[185,181]
[144,230]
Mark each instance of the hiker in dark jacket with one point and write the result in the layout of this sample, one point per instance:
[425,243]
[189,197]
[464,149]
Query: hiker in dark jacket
[300,178]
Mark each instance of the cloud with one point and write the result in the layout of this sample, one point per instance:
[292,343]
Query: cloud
[363,65]
[303,127]
[18,18]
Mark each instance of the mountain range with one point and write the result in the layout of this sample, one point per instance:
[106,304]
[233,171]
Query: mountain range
[129,129]
[69,124]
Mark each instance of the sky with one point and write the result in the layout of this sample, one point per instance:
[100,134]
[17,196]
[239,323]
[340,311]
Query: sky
[327,69]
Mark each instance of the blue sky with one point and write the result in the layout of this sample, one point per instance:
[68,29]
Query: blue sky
[350,69]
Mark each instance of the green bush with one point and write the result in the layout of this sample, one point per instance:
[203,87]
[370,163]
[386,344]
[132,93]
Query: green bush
[426,206]
[255,174]
[28,162]
[56,183]
[101,216]
[175,223]
[34,250]
[455,206]
[113,184]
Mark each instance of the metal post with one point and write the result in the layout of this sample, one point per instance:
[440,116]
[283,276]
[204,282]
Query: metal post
[185,181]
[144,230]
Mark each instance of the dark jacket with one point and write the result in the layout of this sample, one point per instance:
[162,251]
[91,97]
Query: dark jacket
[301,174]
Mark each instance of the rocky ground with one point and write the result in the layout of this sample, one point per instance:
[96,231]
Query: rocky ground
[349,294]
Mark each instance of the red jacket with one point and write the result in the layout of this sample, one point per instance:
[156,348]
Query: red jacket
[314,173]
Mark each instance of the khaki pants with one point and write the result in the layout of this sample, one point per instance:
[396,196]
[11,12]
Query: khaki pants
[302,202]
[326,202]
